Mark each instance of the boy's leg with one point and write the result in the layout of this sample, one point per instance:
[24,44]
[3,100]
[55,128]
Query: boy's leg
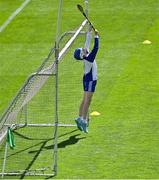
[81,121]
[89,88]
[81,108]
[86,103]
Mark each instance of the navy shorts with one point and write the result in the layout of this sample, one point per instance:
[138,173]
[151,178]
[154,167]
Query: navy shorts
[89,86]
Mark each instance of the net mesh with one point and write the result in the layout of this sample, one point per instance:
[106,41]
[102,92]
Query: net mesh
[30,154]
[34,108]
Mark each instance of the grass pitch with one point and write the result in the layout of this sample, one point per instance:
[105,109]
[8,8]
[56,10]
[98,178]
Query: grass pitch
[122,141]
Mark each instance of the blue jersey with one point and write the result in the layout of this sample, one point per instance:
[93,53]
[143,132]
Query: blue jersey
[90,66]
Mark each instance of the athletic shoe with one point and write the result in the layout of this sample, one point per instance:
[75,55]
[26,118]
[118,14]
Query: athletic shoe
[79,123]
[84,126]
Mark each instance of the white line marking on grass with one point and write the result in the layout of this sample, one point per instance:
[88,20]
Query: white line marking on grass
[13,15]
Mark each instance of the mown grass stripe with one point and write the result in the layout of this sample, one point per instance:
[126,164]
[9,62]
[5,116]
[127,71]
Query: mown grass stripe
[13,15]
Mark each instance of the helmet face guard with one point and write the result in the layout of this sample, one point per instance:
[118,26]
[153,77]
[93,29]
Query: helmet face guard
[78,54]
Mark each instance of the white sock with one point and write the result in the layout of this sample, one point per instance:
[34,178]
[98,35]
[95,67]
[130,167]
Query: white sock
[85,120]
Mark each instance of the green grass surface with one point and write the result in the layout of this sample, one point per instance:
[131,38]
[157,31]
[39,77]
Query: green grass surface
[123,141]
[7,8]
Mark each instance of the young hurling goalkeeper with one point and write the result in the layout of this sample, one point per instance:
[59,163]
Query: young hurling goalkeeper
[89,77]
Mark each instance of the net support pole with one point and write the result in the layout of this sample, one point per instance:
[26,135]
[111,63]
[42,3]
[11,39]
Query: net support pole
[86,11]
[56,87]
[26,114]
[5,157]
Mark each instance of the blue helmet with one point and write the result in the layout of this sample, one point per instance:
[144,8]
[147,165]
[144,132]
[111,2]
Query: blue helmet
[77,54]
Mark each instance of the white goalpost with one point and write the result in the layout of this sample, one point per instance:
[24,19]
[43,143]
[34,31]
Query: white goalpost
[34,115]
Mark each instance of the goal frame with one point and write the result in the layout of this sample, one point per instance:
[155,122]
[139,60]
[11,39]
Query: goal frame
[58,57]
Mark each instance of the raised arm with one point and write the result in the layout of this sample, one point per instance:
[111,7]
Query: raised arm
[94,51]
[88,38]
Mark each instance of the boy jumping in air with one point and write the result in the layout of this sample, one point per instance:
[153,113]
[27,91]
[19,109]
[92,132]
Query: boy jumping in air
[89,77]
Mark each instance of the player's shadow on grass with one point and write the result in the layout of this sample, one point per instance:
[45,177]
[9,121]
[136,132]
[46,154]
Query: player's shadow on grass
[72,140]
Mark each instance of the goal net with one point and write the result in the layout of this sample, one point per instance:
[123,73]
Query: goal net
[31,115]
